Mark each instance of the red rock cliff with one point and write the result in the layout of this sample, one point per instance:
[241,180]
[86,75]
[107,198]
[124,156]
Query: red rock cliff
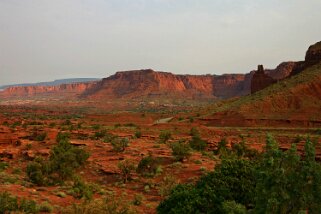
[137,83]
[72,89]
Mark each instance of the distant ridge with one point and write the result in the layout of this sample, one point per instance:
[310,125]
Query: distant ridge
[52,83]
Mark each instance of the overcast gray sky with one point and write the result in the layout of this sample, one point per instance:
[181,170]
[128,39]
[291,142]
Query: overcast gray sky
[53,39]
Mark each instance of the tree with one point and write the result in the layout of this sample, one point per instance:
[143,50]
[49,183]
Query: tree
[232,180]
[286,183]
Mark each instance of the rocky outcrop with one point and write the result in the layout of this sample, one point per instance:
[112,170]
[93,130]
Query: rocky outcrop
[72,89]
[260,80]
[282,71]
[150,83]
[312,57]
[263,79]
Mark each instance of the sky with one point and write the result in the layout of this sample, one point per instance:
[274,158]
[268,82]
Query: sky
[43,40]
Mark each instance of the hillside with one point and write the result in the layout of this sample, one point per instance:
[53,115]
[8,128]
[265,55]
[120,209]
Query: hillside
[293,101]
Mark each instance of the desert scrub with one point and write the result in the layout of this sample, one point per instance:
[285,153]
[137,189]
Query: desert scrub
[106,205]
[164,136]
[99,134]
[138,134]
[126,167]
[148,166]
[197,143]
[63,161]
[138,199]
[109,137]
[11,204]
[181,150]
[119,144]
[81,190]
[45,207]
[3,165]
[167,185]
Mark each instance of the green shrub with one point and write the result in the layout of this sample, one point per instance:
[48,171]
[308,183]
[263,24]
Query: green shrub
[232,180]
[96,127]
[119,144]
[138,134]
[180,150]
[62,136]
[148,166]
[3,165]
[41,136]
[197,143]
[164,136]
[231,207]
[10,204]
[81,190]
[45,207]
[167,185]
[63,161]
[138,198]
[65,158]
[126,167]
[221,148]
[274,182]
[107,205]
[109,137]
[100,134]
[35,173]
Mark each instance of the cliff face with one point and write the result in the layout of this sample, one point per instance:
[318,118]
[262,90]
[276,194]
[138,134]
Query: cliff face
[134,84]
[72,89]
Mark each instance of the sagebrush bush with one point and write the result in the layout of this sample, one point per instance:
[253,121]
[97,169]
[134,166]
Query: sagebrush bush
[119,144]
[164,136]
[148,166]
[11,204]
[64,159]
[181,150]
[126,167]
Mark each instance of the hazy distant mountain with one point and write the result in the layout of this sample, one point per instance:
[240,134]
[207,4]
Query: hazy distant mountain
[52,83]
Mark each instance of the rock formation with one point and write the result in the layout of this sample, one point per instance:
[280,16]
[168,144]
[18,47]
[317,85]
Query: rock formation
[260,80]
[150,83]
[312,57]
